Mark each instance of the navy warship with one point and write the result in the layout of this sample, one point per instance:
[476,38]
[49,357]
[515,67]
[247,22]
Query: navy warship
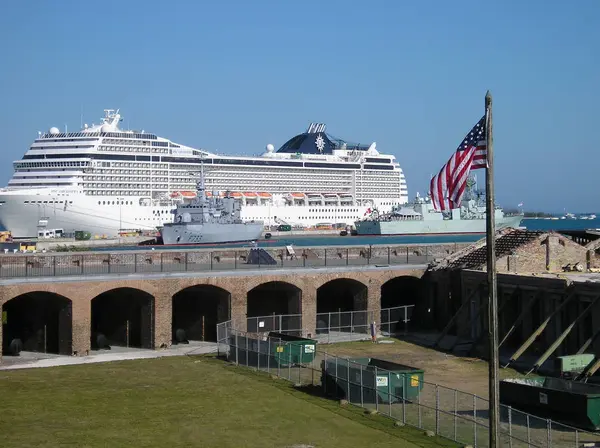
[211,220]
[421,218]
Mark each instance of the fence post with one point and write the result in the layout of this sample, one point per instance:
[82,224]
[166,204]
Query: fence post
[336,375]
[351,322]
[362,396]
[237,351]
[474,420]
[455,414]
[349,397]
[376,391]
[405,319]
[510,441]
[390,394]
[185,263]
[347,253]
[406,254]
[389,253]
[312,368]
[325,257]
[161,262]
[246,339]
[404,398]
[289,362]
[211,262]
[437,409]
[419,415]
[324,378]
[549,431]
[135,261]
[269,356]
[258,359]
[528,432]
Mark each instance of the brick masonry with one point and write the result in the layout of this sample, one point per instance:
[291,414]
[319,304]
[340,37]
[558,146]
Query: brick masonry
[81,294]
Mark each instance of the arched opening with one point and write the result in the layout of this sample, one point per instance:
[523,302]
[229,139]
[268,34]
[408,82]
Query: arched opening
[342,306]
[37,322]
[196,312]
[275,306]
[122,317]
[399,297]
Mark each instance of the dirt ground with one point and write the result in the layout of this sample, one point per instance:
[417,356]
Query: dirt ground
[465,374]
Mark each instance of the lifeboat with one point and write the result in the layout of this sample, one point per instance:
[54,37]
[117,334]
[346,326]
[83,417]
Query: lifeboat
[185,194]
[250,194]
[298,195]
[265,195]
[235,194]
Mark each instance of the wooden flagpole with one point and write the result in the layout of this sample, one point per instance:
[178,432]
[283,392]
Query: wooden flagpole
[494,416]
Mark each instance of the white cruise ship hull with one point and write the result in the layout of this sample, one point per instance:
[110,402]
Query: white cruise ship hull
[22,211]
[211,233]
[441,227]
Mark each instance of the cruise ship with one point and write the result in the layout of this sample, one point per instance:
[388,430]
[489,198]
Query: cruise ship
[105,180]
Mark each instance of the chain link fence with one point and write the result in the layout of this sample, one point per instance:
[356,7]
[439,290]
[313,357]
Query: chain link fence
[450,413]
[336,326]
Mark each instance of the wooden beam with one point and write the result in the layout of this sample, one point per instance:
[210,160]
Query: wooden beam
[589,370]
[451,322]
[505,300]
[589,342]
[542,359]
[526,309]
[539,330]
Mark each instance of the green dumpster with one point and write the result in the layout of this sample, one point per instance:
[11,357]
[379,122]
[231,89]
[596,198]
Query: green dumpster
[275,349]
[293,349]
[364,380]
[570,402]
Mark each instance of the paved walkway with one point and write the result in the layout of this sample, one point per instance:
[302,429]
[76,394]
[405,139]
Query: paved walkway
[29,360]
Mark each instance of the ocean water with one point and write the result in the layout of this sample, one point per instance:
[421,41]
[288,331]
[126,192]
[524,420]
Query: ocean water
[336,240]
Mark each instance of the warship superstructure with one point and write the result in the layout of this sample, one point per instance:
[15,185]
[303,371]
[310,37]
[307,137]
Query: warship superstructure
[211,219]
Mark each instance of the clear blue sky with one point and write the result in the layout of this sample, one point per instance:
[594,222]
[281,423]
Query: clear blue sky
[233,76]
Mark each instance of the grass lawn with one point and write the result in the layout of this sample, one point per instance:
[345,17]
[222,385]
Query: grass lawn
[181,401]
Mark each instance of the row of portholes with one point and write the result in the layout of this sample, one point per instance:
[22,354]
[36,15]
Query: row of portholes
[115,202]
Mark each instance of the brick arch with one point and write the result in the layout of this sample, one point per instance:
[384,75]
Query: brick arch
[98,289]
[15,291]
[32,309]
[255,282]
[325,281]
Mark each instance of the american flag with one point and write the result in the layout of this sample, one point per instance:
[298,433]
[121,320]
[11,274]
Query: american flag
[448,186]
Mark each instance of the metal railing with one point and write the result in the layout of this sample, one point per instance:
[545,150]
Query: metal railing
[149,261]
[392,321]
[405,397]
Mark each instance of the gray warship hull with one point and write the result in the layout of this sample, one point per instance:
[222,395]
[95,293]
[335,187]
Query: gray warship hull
[210,233]
[432,227]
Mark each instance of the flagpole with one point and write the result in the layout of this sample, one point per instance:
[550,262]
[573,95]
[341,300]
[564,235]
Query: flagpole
[494,416]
